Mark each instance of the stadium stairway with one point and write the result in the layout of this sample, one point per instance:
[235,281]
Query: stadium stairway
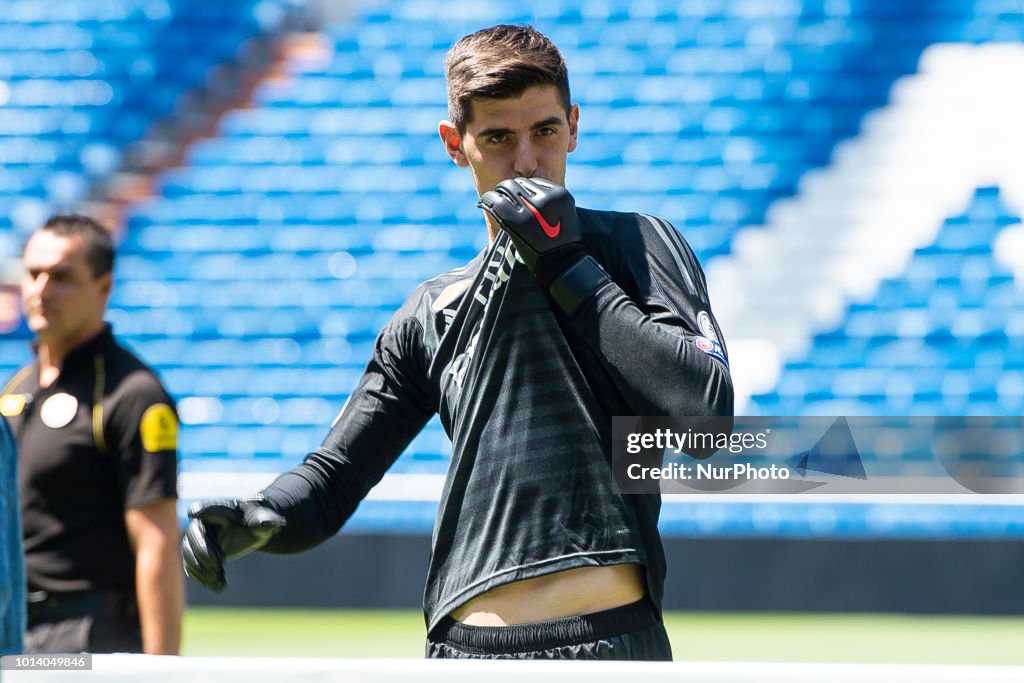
[946,337]
[946,131]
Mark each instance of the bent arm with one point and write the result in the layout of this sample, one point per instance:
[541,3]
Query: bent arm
[658,367]
[659,342]
[657,347]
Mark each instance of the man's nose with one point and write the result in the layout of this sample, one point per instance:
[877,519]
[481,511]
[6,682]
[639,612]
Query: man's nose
[39,285]
[526,160]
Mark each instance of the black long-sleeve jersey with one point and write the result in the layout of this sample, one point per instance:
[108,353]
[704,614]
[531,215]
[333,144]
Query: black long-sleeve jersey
[527,397]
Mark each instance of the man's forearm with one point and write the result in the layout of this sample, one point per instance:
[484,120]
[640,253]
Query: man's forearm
[314,510]
[159,587]
[658,369]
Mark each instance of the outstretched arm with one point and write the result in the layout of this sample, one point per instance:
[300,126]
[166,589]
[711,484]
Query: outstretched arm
[386,411]
[307,505]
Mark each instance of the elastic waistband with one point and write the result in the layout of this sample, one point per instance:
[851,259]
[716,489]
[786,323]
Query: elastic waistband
[545,635]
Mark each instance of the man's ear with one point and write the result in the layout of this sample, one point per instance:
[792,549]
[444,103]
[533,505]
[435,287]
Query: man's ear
[452,142]
[106,284]
[574,126]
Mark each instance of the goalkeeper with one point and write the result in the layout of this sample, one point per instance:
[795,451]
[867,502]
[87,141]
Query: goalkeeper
[568,317]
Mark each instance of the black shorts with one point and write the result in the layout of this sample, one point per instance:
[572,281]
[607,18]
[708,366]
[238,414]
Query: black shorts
[89,621]
[630,632]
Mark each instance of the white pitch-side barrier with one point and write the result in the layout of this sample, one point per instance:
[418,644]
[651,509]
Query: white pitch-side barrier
[137,668]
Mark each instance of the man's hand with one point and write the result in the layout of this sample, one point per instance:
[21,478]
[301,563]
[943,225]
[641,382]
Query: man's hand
[540,217]
[222,530]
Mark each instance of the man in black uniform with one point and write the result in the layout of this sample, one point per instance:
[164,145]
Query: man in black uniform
[568,318]
[97,467]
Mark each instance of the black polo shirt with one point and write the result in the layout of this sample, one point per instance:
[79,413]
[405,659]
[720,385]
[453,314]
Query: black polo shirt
[99,440]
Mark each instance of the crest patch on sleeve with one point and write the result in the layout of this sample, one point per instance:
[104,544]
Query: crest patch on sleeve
[11,405]
[712,348]
[159,428]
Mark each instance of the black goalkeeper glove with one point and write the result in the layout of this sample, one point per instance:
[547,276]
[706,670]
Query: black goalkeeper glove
[222,530]
[541,219]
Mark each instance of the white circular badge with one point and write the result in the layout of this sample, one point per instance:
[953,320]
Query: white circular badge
[58,410]
[704,323]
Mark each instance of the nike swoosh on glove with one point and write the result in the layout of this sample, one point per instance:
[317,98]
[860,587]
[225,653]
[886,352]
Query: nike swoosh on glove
[541,219]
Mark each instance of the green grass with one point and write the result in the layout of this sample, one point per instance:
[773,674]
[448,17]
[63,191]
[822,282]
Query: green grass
[695,636]
[847,638]
[303,633]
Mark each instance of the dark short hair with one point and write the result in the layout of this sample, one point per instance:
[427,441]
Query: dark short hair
[99,242]
[501,62]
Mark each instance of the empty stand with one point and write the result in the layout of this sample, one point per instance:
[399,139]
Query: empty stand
[81,81]
[258,275]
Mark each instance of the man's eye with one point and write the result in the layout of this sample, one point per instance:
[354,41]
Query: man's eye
[498,139]
[546,131]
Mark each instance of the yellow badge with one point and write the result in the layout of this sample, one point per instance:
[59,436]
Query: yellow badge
[11,405]
[159,428]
